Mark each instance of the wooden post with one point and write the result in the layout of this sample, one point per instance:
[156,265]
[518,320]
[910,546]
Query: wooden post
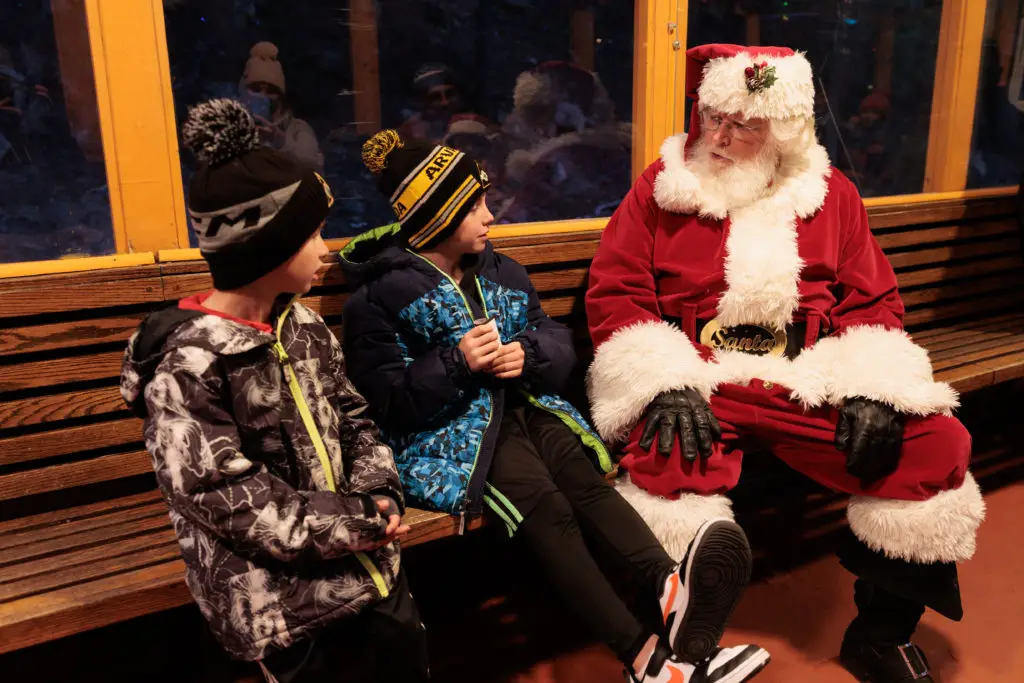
[71,30]
[753,28]
[1007,21]
[956,89]
[581,38]
[365,66]
[884,50]
[659,94]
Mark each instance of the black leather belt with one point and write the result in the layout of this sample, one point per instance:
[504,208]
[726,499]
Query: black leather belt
[758,340]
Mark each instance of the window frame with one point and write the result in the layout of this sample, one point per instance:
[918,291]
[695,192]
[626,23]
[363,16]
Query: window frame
[138,126]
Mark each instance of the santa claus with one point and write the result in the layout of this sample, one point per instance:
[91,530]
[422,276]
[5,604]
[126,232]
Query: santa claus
[738,298]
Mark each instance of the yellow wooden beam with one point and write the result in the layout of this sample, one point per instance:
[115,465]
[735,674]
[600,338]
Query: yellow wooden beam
[925,197]
[659,43]
[953,100]
[75,265]
[137,121]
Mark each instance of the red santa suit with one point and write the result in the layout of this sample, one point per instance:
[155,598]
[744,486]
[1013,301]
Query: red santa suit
[674,266]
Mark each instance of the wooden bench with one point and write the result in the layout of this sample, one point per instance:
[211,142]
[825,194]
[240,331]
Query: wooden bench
[84,537]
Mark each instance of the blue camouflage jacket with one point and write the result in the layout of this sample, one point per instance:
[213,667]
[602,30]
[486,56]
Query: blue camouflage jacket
[402,327]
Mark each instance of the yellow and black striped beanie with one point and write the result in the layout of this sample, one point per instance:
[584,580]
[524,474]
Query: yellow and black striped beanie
[431,188]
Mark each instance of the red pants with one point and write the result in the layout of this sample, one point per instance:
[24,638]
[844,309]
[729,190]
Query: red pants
[936,449]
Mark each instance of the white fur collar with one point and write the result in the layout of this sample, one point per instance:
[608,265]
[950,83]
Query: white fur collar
[762,262]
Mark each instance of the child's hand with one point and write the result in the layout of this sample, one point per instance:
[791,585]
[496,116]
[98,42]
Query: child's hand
[510,361]
[480,347]
[394,531]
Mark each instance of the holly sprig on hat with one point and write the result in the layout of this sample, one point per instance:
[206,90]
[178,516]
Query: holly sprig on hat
[760,77]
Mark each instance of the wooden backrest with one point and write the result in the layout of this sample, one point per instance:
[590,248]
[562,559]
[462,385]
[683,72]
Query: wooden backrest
[66,437]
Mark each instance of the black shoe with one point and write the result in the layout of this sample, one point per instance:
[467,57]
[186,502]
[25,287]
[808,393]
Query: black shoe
[884,663]
[700,594]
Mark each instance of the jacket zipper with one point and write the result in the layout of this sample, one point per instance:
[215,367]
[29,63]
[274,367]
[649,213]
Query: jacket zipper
[470,503]
[317,439]
[588,439]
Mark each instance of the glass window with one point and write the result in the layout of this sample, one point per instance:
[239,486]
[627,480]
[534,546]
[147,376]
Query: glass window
[874,68]
[996,145]
[54,201]
[540,93]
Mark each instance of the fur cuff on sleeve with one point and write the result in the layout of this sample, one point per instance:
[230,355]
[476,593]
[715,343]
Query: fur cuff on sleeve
[635,365]
[882,364]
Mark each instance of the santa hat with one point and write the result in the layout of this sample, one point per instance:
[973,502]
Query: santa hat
[263,67]
[773,83]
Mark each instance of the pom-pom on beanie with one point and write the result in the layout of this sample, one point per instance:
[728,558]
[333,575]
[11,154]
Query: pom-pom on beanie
[252,208]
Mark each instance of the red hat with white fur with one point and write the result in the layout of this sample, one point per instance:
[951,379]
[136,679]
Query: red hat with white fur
[758,82]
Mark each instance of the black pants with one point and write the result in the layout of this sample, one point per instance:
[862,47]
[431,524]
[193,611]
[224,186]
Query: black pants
[557,496]
[384,643]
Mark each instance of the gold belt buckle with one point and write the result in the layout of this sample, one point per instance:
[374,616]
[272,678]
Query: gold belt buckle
[757,340]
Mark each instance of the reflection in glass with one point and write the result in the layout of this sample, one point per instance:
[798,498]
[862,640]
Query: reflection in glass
[54,201]
[540,93]
[998,140]
[874,68]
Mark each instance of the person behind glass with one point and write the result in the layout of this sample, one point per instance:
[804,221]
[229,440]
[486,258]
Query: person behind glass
[462,370]
[286,504]
[264,92]
[439,100]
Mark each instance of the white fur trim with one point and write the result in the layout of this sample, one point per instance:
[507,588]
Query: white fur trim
[724,87]
[636,364]
[532,89]
[881,364]
[677,188]
[674,522]
[762,262]
[941,529]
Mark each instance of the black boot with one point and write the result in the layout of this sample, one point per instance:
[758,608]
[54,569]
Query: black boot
[877,645]
[891,596]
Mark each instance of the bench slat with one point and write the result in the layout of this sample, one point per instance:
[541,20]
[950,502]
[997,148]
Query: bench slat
[963,270]
[974,306]
[946,233]
[63,523]
[70,440]
[91,605]
[956,251]
[44,299]
[67,335]
[56,407]
[986,340]
[59,371]
[960,290]
[89,564]
[123,527]
[995,321]
[994,371]
[72,474]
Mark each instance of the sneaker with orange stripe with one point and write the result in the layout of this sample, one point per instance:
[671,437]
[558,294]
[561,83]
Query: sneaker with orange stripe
[729,665]
[698,597]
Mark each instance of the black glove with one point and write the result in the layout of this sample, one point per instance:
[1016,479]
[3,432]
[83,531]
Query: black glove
[686,413]
[871,434]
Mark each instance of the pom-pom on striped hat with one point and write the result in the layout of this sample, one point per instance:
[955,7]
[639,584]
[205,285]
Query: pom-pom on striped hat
[431,188]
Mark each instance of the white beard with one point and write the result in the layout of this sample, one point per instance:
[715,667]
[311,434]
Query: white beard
[736,185]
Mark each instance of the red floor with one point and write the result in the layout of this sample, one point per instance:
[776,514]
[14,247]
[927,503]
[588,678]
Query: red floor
[799,616]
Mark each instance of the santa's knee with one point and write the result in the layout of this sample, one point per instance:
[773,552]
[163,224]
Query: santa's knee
[939,529]
[943,449]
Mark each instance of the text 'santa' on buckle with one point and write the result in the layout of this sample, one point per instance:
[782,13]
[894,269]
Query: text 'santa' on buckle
[757,340]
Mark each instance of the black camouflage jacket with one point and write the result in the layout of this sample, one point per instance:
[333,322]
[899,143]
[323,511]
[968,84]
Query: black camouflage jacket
[266,542]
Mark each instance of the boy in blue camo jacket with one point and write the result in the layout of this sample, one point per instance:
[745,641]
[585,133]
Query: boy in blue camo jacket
[462,368]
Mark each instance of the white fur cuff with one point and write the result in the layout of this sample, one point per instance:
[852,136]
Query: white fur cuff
[635,365]
[941,529]
[880,364]
[674,522]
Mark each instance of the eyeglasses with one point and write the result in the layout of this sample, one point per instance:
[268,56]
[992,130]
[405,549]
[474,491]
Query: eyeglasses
[739,131]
